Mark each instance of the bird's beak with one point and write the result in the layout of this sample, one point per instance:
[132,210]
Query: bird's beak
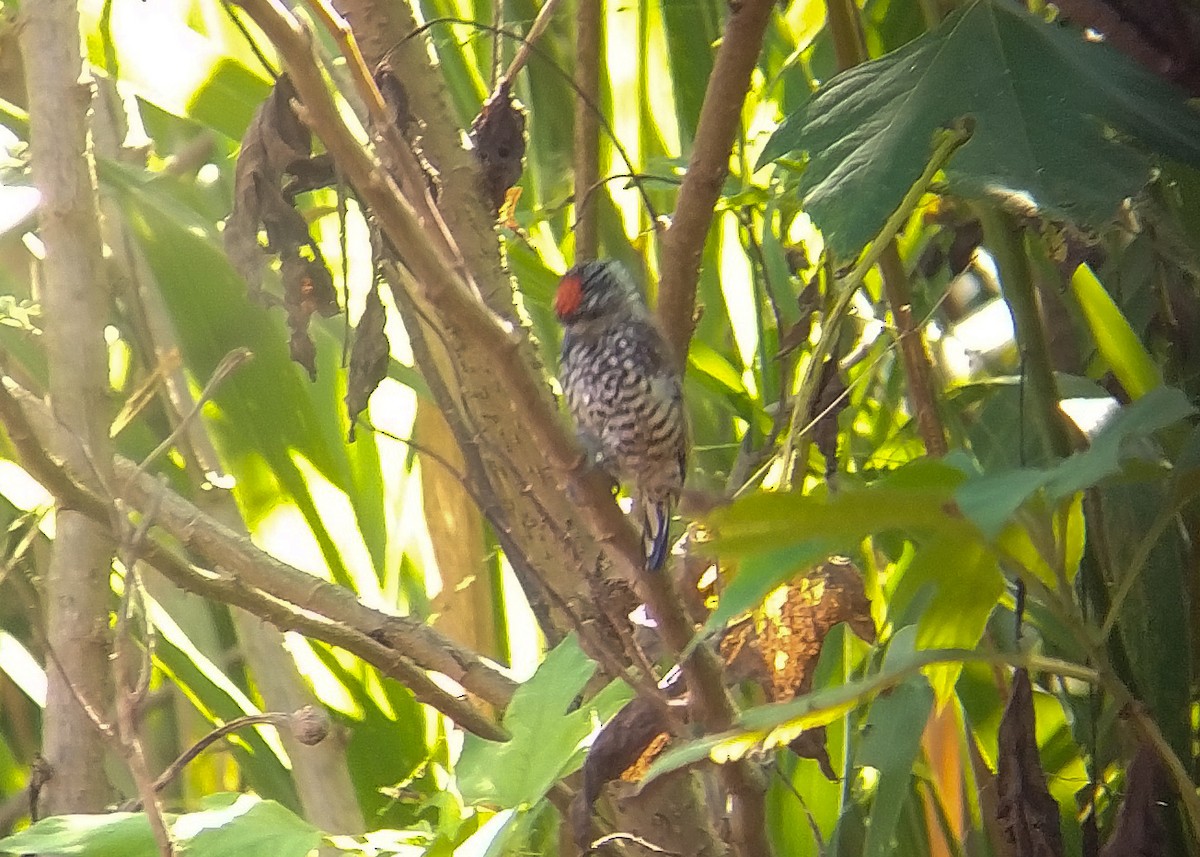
[568,297]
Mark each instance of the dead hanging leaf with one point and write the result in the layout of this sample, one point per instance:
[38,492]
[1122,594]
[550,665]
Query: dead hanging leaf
[275,138]
[967,238]
[807,302]
[273,166]
[810,744]
[1027,813]
[830,402]
[508,211]
[368,359]
[309,174]
[307,289]
[794,624]
[498,134]
[636,732]
[1140,830]
[395,97]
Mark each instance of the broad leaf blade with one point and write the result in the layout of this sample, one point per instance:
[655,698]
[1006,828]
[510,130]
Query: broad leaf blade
[1045,104]
[546,734]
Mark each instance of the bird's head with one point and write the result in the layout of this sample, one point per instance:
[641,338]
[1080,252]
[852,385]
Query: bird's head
[596,289]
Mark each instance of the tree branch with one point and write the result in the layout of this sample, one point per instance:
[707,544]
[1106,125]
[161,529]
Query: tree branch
[720,117]
[399,646]
[587,127]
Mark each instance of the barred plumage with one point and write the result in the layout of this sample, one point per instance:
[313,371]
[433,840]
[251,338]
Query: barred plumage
[624,392]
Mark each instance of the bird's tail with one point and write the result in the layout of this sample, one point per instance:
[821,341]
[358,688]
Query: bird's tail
[656,532]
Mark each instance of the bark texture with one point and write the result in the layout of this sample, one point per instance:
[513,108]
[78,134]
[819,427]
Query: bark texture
[74,299]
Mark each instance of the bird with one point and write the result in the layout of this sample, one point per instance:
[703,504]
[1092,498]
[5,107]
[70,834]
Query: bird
[624,391]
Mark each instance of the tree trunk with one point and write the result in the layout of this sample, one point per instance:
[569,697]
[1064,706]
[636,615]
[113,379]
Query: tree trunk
[75,304]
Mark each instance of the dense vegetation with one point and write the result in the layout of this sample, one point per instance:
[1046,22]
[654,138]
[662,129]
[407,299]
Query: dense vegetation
[931,268]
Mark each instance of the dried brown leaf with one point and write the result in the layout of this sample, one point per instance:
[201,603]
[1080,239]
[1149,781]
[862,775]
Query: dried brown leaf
[498,134]
[273,166]
[368,359]
[630,739]
[395,97]
[967,237]
[1140,830]
[274,139]
[795,628]
[810,744]
[829,404]
[1027,813]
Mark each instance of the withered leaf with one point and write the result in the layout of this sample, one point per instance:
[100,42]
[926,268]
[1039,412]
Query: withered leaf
[368,358]
[307,289]
[967,237]
[810,744]
[794,627]
[304,351]
[395,97]
[1027,813]
[1140,830]
[275,138]
[793,631]
[498,134]
[830,402]
[309,174]
[273,166]
[619,746]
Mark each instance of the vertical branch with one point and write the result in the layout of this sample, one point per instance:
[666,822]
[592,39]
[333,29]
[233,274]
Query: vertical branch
[918,370]
[683,243]
[75,305]
[587,127]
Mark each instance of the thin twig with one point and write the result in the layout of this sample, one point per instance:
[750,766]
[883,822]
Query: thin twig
[126,697]
[592,104]
[535,32]
[316,608]
[269,718]
[595,847]
[228,365]
[588,20]
[946,143]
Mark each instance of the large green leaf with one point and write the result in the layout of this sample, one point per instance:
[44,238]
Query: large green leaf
[231,824]
[991,500]
[546,735]
[891,743]
[913,498]
[1045,104]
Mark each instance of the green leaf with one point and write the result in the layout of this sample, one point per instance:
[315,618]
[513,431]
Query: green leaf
[231,824]
[990,500]
[546,739]
[244,824]
[914,498]
[891,743]
[966,584]
[758,575]
[1044,102]
[115,833]
[1115,339]
[1156,410]
[777,723]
